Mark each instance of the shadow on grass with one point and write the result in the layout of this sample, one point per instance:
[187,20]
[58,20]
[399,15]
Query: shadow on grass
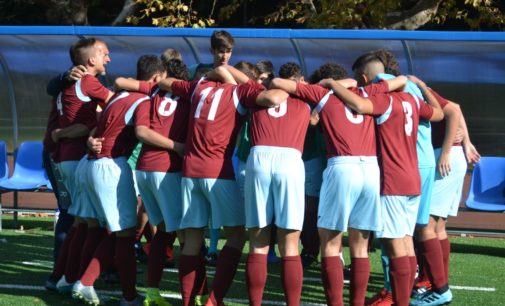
[497,251]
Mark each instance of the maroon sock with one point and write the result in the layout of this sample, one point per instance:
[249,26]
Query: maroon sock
[360,272]
[432,254]
[399,275]
[445,245]
[171,238]
[256,277]
[126,266]
[332,275]
[201,287]
[103,258]
[74,253]
[93,239]
[59,265]
[188,267]
[292,279]
[226,267]
[156,260]
[413,269]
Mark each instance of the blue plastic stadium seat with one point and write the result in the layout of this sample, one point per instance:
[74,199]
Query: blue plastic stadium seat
[4,166]
[29,173]
[487,191]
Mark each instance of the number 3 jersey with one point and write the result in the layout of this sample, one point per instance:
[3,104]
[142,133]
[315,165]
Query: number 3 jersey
[217,113]
[397,118]
[282,126]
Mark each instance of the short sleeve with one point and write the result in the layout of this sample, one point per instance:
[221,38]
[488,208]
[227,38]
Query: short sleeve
[443,102]
[381,103]
[248,93]
[142,114]
[183,89]
[146,87]
[425,111]
[95,89]
[373,89]
[312,94]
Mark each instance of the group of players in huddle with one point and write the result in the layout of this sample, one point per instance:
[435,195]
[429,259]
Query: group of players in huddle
[382,174]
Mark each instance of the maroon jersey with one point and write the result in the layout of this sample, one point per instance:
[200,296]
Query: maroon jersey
[346,133]
[117,125]
[282,126]
[397,120]
[77,104]
[168,115]
[438,128]
[52,123]
[217,113]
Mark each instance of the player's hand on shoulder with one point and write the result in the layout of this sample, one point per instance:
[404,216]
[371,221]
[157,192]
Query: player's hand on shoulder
[77,72]
[348,83]
[416,80]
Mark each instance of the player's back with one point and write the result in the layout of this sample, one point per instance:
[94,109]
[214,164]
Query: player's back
[397,133]
[167,115]
[346,133]
[215,117]
[283,126]
[116,125]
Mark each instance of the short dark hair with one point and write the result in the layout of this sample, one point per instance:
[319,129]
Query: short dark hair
[177,69]
[329,70]
[79,54]
[387,57]
[147,66]
[248,69]
[266,66]
[221,39]
[290,70]
[361,62]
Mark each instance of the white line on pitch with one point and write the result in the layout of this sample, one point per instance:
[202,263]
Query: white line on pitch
[167,295]
[309,279]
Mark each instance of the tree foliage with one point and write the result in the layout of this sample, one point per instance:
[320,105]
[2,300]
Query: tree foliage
[169,13]
[341,14]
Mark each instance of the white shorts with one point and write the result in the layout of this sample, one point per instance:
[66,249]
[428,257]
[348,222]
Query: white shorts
[81,202]
[161,193]
[67,170]
[111,190]
[240,176]
[274,188]
[427,182]
[399,214]
[314,175]
[217,199]
[350,194]
[447,190]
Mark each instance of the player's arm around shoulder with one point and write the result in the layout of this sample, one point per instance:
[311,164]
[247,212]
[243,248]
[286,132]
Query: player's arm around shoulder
[288,86]
[271,97]
[359,104]
[438,113]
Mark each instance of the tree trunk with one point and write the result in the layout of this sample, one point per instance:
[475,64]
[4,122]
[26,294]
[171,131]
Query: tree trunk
[420,14]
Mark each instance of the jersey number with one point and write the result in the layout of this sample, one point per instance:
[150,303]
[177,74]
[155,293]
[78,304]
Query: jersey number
[214,104]
[407,109]
[354,118]
[279,110]
[162,109]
